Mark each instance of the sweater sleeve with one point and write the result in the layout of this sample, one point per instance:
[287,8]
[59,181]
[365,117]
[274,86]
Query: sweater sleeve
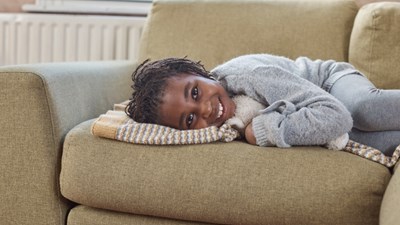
[299,112]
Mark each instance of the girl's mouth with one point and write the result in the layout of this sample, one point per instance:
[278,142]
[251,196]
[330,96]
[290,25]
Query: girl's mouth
[220,109]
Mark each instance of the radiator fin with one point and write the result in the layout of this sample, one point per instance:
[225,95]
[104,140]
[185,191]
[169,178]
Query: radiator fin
[34,38]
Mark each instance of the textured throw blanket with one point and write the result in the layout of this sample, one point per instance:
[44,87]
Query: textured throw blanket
[115,124]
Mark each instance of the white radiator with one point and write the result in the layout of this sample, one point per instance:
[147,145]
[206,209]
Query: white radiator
[34,38]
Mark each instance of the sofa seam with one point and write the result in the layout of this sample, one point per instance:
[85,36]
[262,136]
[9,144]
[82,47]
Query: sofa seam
[56,178]
[373,37]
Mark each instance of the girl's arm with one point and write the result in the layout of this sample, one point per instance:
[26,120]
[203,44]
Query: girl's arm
[300,113]
[249,134]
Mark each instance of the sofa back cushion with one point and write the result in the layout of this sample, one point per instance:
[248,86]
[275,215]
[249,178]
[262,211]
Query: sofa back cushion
[374,45]
[214,31]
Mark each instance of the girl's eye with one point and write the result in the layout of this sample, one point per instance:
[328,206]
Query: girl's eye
[195,93]
[189,120]
[195,96]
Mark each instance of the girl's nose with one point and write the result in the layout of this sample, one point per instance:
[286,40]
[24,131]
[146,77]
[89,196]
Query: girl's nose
[206,109]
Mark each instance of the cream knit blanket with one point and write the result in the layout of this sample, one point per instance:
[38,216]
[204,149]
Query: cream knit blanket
[115,124]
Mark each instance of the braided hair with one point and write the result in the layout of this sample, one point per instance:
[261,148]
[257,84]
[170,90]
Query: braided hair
[149,83]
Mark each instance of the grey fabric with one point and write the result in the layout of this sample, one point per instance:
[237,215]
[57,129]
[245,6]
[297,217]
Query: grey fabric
[273,79]
[372,109]
[299,111]
[375,112]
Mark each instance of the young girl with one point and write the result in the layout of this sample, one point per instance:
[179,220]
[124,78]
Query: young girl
[306,102]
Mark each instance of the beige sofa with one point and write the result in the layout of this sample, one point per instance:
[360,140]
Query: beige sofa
[53,171]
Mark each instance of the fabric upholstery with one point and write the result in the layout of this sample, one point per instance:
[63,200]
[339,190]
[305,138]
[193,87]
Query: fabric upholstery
[116,125]
[27,180]
[227,183]
[219,183]
[374,44]
[39,105]
[390,210]
[83,215]
[216,31]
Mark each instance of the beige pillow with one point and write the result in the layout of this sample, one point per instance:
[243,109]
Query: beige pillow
[375,43]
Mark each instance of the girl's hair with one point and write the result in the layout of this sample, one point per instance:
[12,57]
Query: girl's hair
[149,82]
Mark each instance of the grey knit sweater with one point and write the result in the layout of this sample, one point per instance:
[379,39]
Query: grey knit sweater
[298,111]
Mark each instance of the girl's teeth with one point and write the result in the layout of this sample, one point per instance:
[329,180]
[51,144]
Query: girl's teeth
[221,110]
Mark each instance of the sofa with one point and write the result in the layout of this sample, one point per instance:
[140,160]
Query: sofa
[54,171]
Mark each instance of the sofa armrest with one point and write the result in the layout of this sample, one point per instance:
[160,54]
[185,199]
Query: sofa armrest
[39,105]
[390,209]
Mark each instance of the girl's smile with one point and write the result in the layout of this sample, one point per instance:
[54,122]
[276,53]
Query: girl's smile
[194,102]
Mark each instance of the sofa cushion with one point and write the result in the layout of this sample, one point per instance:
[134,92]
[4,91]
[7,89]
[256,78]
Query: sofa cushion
[215,31]
[84,215]
[227,183]
[374,45]
[390,210]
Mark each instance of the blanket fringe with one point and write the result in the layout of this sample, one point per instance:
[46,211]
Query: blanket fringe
[373,154]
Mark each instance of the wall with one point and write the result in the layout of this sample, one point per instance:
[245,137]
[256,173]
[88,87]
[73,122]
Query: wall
[361,3]
[13,5]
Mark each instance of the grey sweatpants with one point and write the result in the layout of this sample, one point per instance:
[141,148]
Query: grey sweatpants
[375,112]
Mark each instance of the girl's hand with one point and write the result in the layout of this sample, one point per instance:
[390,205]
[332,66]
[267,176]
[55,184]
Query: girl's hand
[249,134]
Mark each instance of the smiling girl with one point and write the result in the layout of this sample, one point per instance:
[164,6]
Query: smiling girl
[306,102]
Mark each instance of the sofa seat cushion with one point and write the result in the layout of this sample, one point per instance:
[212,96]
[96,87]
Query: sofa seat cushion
[227,183]
[84,215]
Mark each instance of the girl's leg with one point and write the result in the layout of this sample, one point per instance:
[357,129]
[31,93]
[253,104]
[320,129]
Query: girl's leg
[372,109]
[376,113]
[385,141]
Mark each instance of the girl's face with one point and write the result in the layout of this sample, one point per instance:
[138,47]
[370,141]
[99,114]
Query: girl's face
[194,102]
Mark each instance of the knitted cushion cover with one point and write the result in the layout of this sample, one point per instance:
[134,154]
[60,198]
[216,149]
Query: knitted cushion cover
[115,124]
